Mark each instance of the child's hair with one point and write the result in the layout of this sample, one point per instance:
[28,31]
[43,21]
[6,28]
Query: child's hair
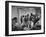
[15,18]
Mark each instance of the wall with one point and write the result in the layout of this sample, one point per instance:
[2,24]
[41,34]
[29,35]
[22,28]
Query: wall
[14,12]
[2,19]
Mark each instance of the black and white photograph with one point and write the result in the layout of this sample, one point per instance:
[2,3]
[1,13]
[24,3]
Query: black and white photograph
[25,18]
